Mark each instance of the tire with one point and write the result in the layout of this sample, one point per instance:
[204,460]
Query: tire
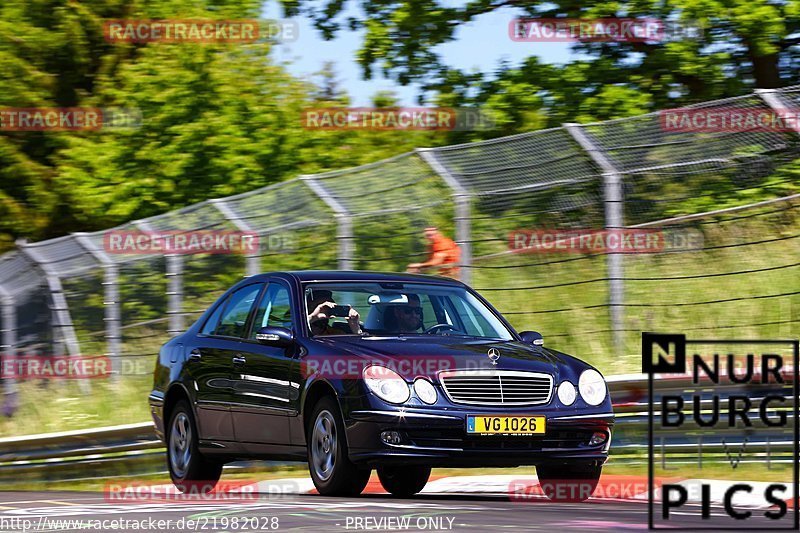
[331,470]
[568,483]
[404,481]
[189,469]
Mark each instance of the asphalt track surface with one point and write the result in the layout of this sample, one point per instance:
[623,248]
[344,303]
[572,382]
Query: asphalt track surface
[39,511]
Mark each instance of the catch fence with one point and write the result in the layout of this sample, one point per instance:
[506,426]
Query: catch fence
[735,190]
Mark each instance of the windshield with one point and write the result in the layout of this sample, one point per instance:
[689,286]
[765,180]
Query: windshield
[399,309]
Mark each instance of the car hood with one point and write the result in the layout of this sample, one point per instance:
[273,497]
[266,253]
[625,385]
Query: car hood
[414,356]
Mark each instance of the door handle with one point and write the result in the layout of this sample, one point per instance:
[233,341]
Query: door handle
[195,355]
[239,359]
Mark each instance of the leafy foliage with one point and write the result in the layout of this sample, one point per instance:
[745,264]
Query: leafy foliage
[217,119]
[712,50]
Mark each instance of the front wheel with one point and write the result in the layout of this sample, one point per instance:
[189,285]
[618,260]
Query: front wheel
[190,471]
[568,483]
[331,470]
[404,481]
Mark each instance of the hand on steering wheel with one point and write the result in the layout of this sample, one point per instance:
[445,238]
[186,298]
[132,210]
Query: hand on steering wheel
[437,327]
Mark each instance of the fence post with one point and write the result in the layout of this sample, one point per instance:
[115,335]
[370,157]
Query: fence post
[774,99]
[613,204]
[111,302]
[344,222]
[62,321]
[63,328]
[252,260]
[174,275]
[8,311]
[462,205]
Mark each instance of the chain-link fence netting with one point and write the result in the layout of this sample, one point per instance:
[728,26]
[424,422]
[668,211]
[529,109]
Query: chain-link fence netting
[296,228]
[671,169]
[518,186]
[387,205]
[741,282]
[734,275]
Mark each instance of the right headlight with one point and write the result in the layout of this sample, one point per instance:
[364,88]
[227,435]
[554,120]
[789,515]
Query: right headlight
[386,384]
[592,387]
[425,390]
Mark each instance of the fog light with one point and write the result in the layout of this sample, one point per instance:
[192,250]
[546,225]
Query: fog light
[597,439]
[391,437]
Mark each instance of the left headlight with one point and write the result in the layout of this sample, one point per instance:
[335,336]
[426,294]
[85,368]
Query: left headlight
[592,387]
[566,393]
[386,384]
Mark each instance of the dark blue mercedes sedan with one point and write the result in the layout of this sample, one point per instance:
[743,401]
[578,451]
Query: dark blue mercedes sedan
[352,371]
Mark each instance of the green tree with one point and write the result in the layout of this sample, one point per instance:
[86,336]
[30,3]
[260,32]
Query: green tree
[740,44]
[217,119]
[53,54]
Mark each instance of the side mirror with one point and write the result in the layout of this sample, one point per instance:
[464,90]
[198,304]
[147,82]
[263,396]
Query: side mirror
[532,337]
[275,336]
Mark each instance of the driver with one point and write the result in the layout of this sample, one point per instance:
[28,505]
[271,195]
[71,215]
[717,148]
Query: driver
[407,317]
[321,302]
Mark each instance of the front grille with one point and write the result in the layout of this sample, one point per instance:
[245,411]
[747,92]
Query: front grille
[497,387]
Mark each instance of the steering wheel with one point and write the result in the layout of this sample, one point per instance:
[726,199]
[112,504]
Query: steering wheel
[436,327]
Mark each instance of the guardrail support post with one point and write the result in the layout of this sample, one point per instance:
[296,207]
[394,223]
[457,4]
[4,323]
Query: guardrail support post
[462,201]
[613,203]
[344,222]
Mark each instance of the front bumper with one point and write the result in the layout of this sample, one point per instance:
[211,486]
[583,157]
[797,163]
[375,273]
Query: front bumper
[438,438]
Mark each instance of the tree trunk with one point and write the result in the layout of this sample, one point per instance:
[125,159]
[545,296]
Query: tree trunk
[765,70]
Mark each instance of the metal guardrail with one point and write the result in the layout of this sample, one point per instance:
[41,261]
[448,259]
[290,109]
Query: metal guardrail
[134,449]
[127,449]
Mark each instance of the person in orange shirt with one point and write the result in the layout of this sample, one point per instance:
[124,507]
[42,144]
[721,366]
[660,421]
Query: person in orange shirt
[444,253]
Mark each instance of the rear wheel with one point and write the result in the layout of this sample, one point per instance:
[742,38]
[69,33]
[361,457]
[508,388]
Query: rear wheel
[190,471]
[568,483]
[331,470]
[404,481]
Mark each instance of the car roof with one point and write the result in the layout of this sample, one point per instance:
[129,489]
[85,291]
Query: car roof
[360,275]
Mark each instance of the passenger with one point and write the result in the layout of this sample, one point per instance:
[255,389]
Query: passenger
[443,252]
[404,318]
[321,302]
